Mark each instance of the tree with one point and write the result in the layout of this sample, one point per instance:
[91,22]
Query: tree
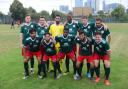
[119,12]
[55,12]
[45,14]
[101,14]
[17,10]
[32,12]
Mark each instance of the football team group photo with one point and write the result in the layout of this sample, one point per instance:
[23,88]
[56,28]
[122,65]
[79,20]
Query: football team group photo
[83,45]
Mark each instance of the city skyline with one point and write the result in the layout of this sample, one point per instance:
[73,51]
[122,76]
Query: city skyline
[47,5]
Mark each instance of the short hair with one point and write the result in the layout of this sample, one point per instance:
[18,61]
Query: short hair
[47,33]
[28,15]
[66,29]
[69,14]
[80,33]
[98,33]
[84,17]
[58,16]
[99,19]
[32,30]
[42,17]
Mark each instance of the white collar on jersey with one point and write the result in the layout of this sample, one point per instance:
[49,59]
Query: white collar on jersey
[100,41]
[70,23]
[48,42]
[65,37]
[33,39]
[85,41]
[85,25]
[100,28]
[27,23]
[40,25]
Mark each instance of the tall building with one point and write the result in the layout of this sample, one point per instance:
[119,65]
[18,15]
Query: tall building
[104,5]
[110,7]
[64,8]
[78,3]
[94,5]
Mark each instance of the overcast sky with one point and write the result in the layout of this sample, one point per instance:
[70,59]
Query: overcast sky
[49,5]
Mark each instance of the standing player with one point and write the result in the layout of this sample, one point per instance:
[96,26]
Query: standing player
[56,29]
[66,43]
[99,27]
[42,28]
[104,31]
[12,24]
[49,53]
[24,33]
[85,52]
[32,44]
[73,29]
[101,51]
[87,28]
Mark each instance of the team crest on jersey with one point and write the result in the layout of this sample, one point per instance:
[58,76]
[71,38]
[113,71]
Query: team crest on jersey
[100,46]
[37,41]
[32,26]
[102,32]
[74,26]
[89,27]
[45,27]
[42,31]
[69,39]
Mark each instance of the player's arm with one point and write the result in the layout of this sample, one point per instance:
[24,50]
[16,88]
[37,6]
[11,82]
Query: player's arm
[77,47]
[109,39]
[92,42]
[107,47]
[108,36]
[24,47]
[21,38]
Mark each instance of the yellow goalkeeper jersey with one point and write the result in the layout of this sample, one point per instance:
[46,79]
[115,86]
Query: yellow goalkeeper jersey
[56,30]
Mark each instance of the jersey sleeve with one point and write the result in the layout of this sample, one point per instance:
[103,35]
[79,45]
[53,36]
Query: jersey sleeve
[107,47]
[77,40]
[26,43]
[57,39]
[21,29]
[107,32]
[50,29]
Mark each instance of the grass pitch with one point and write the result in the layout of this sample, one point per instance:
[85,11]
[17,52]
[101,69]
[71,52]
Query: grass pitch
[11,64]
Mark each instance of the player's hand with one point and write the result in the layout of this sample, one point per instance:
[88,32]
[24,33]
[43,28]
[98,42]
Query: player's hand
[21,46]
[46,24]
[105,26]
[109,52]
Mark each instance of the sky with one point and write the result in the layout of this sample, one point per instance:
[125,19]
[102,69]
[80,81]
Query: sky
[49,5]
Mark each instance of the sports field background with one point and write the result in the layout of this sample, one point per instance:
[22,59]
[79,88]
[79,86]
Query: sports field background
[11,64]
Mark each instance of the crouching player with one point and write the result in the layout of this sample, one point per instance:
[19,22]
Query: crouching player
[33,45]
[85,52]
[66,47]
[49,53]
[101,52]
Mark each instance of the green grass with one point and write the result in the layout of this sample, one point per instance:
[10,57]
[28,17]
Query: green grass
[11,64]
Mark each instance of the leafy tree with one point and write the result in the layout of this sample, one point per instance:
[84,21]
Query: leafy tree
[45,14]
[17,10]
[119,12]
